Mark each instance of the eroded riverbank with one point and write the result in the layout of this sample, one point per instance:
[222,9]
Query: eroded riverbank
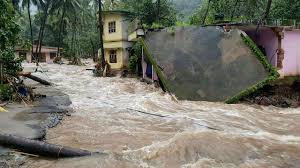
[192,134]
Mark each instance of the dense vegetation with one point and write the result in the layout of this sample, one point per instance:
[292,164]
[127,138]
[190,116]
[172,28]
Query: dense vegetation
[185,8]
[241,10]
[74,24]
[9,66]
[8,36]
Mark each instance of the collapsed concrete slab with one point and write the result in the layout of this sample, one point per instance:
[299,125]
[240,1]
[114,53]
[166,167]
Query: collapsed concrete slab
[206,63]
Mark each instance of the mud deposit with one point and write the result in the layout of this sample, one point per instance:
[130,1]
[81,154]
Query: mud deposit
[188,134]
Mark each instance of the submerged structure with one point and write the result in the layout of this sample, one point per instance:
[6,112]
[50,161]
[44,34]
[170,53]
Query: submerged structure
[47,54]
[206,63]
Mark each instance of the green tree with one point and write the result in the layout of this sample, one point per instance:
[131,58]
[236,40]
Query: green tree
[9,35]
[67,7]
[149,12]
[247,9]
[27,4]
[286,9]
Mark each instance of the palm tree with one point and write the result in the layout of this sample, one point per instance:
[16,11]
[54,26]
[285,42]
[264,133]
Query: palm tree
[68,7]
[158,10]
[265,15]
[101,34]
[15,4]
[47,7]
[101,64]
[206,12]
[24,4]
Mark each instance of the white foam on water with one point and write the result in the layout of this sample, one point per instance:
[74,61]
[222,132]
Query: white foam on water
[193,134]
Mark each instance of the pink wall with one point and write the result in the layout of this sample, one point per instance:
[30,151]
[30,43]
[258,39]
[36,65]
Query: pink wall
[269,40]
[291,46]
[48,58]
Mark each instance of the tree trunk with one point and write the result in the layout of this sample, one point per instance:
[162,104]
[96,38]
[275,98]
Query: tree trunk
[158,11]
[41,32]
[265,15]
[30,24]
[60,38]
[206,13]
[40,148]
[37,79]
[93,50]
[73,40]
[268,8]
[101,35]
[234,9]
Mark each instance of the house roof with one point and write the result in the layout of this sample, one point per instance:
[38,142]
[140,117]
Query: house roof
[43,49]
[124,12]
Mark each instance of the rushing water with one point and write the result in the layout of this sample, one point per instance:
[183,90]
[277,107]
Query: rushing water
[183,134]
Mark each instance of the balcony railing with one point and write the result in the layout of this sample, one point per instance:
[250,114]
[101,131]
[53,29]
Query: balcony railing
[277,22]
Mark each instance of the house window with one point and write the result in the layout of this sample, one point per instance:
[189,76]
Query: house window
[52,55]
[22,55]
[113,56]
[112,27]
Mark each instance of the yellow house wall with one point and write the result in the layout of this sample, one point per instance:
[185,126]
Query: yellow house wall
[121,27]
[120,60]
[117,44]
[118,40]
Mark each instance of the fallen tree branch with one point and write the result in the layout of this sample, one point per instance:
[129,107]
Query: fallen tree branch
[40,148]
[164,116]
[143,112]
[37,79]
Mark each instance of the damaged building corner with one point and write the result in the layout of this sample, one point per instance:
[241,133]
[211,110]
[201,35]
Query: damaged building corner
[207,64]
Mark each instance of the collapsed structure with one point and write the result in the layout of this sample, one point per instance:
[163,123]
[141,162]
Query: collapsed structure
[47,54]
[207,63]
[222,62]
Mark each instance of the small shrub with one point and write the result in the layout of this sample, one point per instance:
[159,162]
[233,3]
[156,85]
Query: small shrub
[5,92]
[137,55]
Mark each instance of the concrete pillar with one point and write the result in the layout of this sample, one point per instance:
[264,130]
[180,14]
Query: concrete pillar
[47,55]
[28,57]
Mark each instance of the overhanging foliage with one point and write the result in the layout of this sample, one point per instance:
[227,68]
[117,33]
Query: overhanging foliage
[9,35]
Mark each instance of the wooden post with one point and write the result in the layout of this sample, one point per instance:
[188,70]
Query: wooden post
[144,76]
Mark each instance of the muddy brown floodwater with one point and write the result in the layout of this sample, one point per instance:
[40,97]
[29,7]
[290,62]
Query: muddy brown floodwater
[190,135]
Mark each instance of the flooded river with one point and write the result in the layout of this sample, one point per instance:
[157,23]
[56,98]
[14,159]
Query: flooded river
[133,124]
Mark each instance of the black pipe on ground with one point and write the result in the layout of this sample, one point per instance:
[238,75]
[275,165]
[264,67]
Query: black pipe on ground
[40,148]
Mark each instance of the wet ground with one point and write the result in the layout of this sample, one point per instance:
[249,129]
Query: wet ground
[137,125]
[31,120]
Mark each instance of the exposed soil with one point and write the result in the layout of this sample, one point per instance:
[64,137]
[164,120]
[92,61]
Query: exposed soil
[284,93]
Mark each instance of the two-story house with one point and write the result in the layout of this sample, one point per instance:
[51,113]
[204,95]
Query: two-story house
[115,37]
